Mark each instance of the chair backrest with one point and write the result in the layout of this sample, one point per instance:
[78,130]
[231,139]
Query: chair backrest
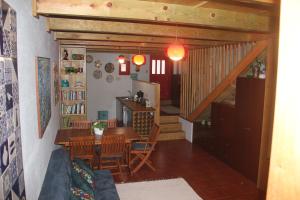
[112,145]
[82,146]
[81,124]
[153,136]
[111,123]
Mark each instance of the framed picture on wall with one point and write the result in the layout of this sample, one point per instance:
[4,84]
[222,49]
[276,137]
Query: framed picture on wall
[43,84]
[56,83]
[124,68]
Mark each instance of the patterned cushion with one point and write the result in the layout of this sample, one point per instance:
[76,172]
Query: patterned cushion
[81,179]
[84,166]
[79,194]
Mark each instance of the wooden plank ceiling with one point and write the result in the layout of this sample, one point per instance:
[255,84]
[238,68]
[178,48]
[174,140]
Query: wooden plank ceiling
[150,25]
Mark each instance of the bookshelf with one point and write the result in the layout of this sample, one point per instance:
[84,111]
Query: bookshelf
[73,94]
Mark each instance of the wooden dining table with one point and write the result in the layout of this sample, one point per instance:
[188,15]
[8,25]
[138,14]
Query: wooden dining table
[63,135]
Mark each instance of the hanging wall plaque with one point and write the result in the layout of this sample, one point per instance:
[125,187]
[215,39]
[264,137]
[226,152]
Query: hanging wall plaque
[109,67]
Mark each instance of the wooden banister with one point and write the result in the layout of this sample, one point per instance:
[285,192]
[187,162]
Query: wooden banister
[241,66]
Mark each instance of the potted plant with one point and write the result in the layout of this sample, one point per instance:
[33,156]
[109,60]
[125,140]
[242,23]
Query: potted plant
[98,127]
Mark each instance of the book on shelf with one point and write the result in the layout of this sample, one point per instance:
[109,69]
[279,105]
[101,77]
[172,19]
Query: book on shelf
[72,95]
[75,109]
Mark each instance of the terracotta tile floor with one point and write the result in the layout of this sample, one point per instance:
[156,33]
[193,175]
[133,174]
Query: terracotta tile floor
[209,177]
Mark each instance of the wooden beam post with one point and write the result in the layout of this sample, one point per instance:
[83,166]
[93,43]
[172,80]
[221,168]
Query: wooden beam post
[268,114]
[242,65]
[34,8]
[284,174]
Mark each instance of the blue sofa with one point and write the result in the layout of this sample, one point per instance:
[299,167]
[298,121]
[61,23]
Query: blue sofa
[58,181]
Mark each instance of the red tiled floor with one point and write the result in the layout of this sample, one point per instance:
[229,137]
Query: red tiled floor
[209,177]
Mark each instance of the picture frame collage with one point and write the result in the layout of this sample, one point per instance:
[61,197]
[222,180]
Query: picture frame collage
[12,185]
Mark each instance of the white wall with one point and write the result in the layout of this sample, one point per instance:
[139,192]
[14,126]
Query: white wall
[102,95]
[149,90]
[33,40]
[187,127]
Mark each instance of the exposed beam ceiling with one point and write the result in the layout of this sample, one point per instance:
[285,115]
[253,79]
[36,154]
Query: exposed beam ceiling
[130,38]
[140,11]
[97,26]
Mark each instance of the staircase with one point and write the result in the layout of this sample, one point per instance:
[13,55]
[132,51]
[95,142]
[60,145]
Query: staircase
[170,128]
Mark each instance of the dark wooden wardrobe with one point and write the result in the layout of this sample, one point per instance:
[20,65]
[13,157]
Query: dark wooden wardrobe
[238,128]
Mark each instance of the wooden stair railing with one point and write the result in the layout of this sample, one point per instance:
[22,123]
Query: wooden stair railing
[240,67]
[204,69]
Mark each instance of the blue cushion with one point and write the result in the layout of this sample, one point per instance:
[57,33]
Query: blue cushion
[138,146]
[105,188]
[57,181]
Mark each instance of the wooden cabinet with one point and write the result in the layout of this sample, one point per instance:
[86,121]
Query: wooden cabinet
[223,125]
[249,117]
[237,129]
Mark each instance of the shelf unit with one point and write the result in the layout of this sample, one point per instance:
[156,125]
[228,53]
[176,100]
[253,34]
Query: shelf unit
[73,88]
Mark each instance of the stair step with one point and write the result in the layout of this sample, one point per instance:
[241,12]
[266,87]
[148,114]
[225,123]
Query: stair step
[175,127]
[171,136]
[169,119]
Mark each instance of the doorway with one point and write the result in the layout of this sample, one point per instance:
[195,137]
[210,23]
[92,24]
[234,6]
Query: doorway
[161,71]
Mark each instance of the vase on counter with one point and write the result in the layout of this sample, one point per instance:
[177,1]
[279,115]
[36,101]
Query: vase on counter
[98,131]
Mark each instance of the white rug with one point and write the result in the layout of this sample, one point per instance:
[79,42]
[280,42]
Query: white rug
[170,189]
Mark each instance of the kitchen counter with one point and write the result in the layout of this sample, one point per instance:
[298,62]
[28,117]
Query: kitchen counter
[133,105]
[130,113]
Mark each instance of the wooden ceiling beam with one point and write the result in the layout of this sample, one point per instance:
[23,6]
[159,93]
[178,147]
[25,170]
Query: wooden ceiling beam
[155,12]
[123,51]
[110,43]
[97,26]
[118,48]
[131,38]
[257,2]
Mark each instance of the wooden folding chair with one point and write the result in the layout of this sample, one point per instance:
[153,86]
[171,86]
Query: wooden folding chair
[83,147]
[113,148]
[81,124]
[142,150]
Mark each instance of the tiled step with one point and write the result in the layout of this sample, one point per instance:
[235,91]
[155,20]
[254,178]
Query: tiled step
[167,128]
[170,128]
[171,136]
[169,119]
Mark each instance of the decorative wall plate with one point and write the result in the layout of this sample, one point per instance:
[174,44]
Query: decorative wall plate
[89,58]
[97,74]
[109,78]
[109,67]
[98,64]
